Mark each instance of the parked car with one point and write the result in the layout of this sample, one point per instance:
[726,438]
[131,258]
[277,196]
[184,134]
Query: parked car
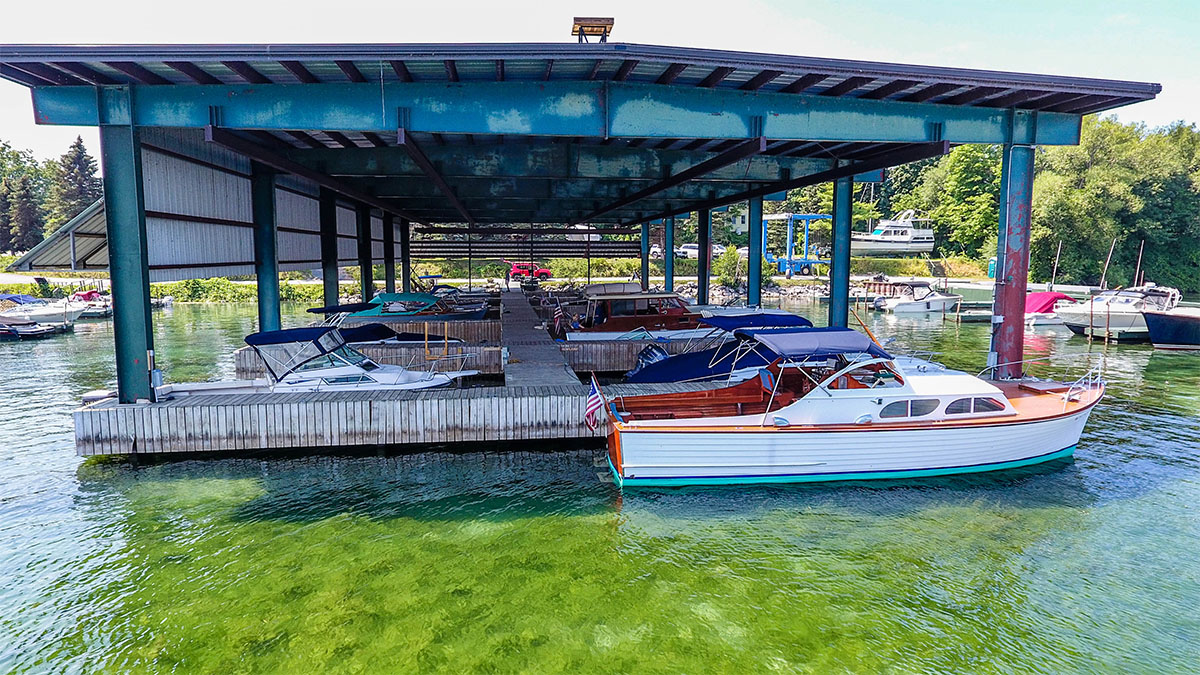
[655,251]
[743,252]
[717,250]
[691,251]
[520,270]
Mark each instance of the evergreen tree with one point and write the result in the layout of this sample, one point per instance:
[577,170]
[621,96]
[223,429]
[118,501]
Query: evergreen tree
[24,215]
[74,186]
[5,234]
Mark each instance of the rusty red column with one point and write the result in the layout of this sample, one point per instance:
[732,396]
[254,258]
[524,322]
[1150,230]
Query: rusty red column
[1012,260]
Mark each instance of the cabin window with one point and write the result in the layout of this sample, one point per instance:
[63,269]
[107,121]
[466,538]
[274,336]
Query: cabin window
[960,407]
[988,405]
[323,361]
[347,379]
[897,409]
[924,406]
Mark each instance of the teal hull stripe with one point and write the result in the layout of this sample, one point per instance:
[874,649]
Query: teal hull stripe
[850,475]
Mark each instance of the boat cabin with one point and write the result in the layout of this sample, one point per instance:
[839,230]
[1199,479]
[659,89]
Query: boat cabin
[624,312]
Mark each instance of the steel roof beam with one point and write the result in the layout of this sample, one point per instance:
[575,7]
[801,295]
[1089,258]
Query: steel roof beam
[735,154]
[91,75]
[514,230]
[194,72]
[228,139]
[18,75]
[714,78]
[246,72]
[597,190]
[138,72]
[556,108]
[401,70]
[300,71]
[404,140]
[760,80]
[350,70]
[802,83]
[903,156]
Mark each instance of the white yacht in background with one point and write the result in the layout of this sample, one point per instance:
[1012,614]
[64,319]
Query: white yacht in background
[1117,314]
[894,237]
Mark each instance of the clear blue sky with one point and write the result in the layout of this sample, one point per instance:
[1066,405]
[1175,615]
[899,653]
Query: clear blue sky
[1155,41]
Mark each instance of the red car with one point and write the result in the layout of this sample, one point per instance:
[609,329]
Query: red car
[529,270]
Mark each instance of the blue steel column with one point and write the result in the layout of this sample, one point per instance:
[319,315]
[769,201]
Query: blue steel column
[791,242]
[266,254]
[704,262]
[128,265]
[327,214]
[366,274]
[839,268]
[669,254]
[645,256]
[1012,263]
[405,256]
[389,254]
[754,218]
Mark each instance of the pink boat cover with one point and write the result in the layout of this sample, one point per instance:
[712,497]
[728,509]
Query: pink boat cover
[1044,301]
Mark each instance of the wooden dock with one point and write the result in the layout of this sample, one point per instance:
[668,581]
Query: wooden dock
[542,400]
[323,421]
[534,358]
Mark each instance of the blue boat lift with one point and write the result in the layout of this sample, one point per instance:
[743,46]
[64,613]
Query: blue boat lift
[790,264]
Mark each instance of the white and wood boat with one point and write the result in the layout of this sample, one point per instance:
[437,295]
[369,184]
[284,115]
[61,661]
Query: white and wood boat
[317,358]
[835,406]
[894,237]
[917,297]
[1117,314]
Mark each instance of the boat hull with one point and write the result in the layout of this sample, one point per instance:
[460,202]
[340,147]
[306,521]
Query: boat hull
[669,457]
[866,247]
[1174,330]
[945,304]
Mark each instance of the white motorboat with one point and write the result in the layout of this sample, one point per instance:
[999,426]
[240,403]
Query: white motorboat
[29,308]
[836,406]
[1041,308]
[917,297]
[1117,314]
[317,358]
[894,237]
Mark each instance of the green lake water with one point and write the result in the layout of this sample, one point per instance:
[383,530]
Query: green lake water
[527,562]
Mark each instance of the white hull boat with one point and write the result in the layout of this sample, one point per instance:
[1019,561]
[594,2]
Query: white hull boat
[917,297]
[317,359]
[26,308]
[821,415]
[894,237]
[1117,315]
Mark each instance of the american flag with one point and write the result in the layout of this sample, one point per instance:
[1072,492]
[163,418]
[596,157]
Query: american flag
[559,317]
[594,402]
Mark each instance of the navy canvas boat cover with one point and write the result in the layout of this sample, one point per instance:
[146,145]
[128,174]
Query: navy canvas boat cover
[732,322]
[793,343]
[20,299]
[343,309]
[279,337]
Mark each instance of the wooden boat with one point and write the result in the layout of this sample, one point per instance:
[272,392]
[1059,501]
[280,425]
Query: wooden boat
[1176,329]
[1117,314]
[835,406]
[637,315]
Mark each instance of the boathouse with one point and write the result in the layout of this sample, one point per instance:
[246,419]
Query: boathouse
[239,159]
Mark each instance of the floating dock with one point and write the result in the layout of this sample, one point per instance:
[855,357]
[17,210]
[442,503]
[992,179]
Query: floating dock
[542,400]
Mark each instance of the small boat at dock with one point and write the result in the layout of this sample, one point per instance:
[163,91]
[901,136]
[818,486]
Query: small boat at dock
[626,316]
[1178,329]
[29,308]
[916,297]
[835,406]
[21,329]
[1041,308]
[394,307]
[1118,314]
[317,358]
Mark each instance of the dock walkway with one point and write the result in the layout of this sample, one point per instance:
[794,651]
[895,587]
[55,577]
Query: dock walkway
[534,358]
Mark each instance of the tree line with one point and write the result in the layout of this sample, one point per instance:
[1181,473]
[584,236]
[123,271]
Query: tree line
[38,197]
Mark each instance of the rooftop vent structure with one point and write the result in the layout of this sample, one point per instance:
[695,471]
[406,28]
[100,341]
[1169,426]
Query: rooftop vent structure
[594,26]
